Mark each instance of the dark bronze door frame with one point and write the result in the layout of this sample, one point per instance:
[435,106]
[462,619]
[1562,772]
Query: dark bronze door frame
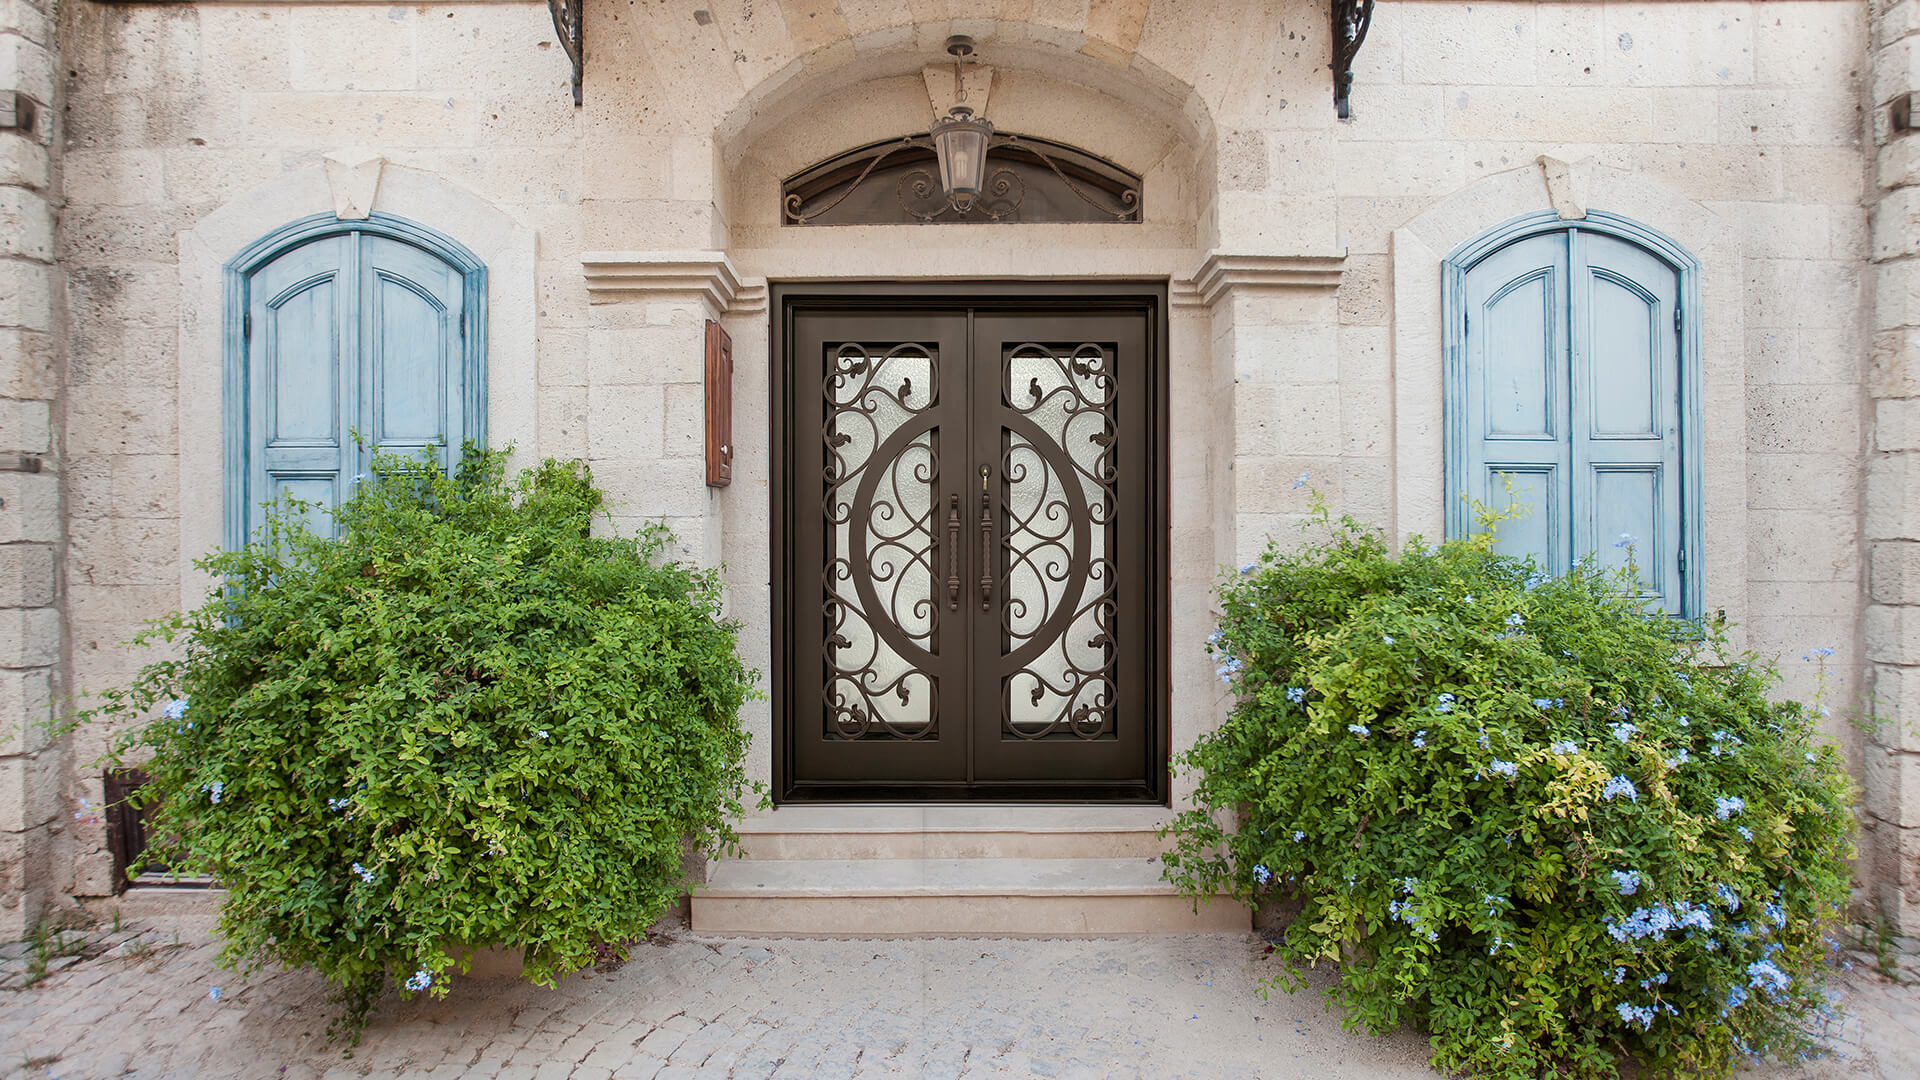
[969,541]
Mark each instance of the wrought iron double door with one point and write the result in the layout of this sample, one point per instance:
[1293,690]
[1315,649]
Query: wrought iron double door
[972,577]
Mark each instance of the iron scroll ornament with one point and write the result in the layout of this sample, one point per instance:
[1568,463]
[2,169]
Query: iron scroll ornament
[567,24]
[1072,186]
[1351,19]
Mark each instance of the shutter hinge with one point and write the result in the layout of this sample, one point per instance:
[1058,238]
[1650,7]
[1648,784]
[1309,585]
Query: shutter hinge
[1676,318]
[463,326]
[1683,560]
[246,326]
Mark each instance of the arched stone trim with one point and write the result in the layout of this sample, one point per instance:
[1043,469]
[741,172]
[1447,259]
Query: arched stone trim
[235,232]
[1486,213]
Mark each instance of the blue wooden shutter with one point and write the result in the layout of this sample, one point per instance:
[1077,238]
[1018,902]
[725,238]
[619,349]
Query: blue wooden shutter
[411,378]
[1626,411]
[351,332]
[1571,387]
[1517,453]
[302,333]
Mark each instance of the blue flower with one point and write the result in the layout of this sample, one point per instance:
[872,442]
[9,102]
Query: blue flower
[1775,912]
[420,981]
[1298,836]
[1736,996]
[1420,739]
[1359,729]
[1445,704]
[1623,731]
[339,804]
[1766,976]
[1818,654]
[1296,694]
[542,733]
[1619,975]
[1727,897]
[1388,638]
[1543,703]
[1626,541]
[1641,1014]
[1248,569]
[214,789]
[1745,833]
[1515,619]
[1628,881]
[1300,481]
[1565,746]
[1262,875]
[175,709]
[1725,807]
[365,874]
[1503,768]
[1619,786]
[213,993]
[1678,759]
[1536,579]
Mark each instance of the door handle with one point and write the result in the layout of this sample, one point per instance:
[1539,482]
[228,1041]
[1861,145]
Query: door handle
[953,554]
[986,541]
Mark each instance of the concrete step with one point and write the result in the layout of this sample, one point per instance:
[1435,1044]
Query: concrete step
[1000,896]
[906,831]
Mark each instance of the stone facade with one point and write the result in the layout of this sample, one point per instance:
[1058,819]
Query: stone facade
[1302,255]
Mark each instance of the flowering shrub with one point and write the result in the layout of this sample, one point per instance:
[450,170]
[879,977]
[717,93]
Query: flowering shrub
[466,721]
[1519,812]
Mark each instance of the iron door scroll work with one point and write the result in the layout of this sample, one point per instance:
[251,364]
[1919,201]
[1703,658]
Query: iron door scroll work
[972,525]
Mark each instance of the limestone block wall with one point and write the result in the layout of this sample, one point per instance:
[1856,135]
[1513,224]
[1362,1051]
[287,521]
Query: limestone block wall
[1892,524]
[31,533]
[1301,254]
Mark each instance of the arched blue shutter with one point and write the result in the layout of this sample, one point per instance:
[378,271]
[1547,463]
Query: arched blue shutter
[1570,381]
[350,332]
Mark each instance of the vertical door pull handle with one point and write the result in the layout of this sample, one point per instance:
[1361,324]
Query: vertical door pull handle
[986,542]
[953,554]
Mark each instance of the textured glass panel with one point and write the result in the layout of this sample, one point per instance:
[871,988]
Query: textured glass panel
[409,364]
[1624,374]
[1518,324]
[880,476]
[1527,495]
[1058,543]
[1626,516]
[303,358]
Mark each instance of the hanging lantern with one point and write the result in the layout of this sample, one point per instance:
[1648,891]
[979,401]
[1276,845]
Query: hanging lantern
[960,142]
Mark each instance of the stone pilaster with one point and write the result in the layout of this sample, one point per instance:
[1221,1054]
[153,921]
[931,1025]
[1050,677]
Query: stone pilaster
[31,634]
[646,389]
[1892,522]
[1276,373]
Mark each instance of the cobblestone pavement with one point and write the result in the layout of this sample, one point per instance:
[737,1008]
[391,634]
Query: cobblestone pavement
[694,1006]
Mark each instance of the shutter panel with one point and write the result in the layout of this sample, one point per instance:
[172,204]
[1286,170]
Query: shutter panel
[1626,412]
[302,322]
[412,381]
[1516,448]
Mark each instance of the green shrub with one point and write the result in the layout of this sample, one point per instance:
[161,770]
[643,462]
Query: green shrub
[1522,815]
[467,721]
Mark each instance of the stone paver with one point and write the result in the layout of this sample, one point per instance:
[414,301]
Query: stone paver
[694,1006]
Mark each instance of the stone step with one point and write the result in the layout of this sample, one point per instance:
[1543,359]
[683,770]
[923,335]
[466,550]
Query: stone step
[896,831]
[1000,896]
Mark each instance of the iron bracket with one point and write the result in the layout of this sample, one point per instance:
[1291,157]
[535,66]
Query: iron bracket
[567,23]
[1351,18]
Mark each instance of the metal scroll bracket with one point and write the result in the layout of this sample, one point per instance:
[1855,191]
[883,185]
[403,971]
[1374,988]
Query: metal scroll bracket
[567,24]
[1350,21]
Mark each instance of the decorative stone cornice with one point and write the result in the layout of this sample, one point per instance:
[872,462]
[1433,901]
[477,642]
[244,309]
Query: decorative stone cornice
[613,276]
[1222,270]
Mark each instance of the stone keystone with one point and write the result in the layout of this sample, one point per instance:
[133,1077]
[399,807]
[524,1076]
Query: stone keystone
[1567,184]
[354,177]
